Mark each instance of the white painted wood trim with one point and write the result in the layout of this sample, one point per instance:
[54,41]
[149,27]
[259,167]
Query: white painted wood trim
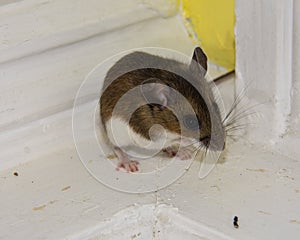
[29,27]
[284,65]
[264,36]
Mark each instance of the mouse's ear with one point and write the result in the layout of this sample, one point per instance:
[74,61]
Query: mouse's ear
[156,92]
[199,61]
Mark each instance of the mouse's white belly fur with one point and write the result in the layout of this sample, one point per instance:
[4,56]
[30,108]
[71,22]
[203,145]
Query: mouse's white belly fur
[123,136]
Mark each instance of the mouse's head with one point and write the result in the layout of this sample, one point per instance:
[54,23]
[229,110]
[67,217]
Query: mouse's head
[184,103]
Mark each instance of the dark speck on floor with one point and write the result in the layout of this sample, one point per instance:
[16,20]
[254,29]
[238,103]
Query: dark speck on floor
[235,222]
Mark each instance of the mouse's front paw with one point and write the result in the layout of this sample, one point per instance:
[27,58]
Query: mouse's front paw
[181,153]
[185,153]
[171,151]
[128,165]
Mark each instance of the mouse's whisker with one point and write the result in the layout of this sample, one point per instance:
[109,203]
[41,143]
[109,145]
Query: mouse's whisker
[242,112]
[240,115]
[206,151]
[235,129]
[231,115]
[235,103]
[196,150]
[237,123]
[234,137]
[199,147]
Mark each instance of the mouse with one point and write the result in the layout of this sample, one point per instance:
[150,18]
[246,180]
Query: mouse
[152,104]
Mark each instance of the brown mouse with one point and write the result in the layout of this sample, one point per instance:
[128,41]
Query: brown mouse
[150,104]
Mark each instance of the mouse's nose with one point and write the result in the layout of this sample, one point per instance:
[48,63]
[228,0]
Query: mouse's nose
[218,145]
[205,141]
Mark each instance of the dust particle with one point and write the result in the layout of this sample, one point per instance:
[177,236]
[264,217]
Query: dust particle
[261,170]
[294,221]
[39,208]
[263,212]
[16,174]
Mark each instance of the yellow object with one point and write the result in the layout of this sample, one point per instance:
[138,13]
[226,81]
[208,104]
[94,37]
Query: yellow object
[213,22]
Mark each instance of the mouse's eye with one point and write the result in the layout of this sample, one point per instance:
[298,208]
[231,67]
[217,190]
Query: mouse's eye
[191,122]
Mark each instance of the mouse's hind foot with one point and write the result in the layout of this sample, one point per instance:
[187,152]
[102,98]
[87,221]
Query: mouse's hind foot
[124,162]
[128,165]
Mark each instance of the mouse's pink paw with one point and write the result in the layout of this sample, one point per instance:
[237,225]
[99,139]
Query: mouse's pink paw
[185,153]
[128,165]
[182,153]
[171,151]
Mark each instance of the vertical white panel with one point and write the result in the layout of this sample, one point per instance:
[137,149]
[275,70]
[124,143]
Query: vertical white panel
[264,35]
[295,116]
[283,65]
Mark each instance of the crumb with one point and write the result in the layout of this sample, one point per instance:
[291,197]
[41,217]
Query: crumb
[235,222]
[16,174]
[66,188]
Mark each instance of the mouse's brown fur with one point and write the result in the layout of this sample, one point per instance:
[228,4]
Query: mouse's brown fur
[138,68]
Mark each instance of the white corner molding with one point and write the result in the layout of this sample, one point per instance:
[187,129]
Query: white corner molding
[264,44]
